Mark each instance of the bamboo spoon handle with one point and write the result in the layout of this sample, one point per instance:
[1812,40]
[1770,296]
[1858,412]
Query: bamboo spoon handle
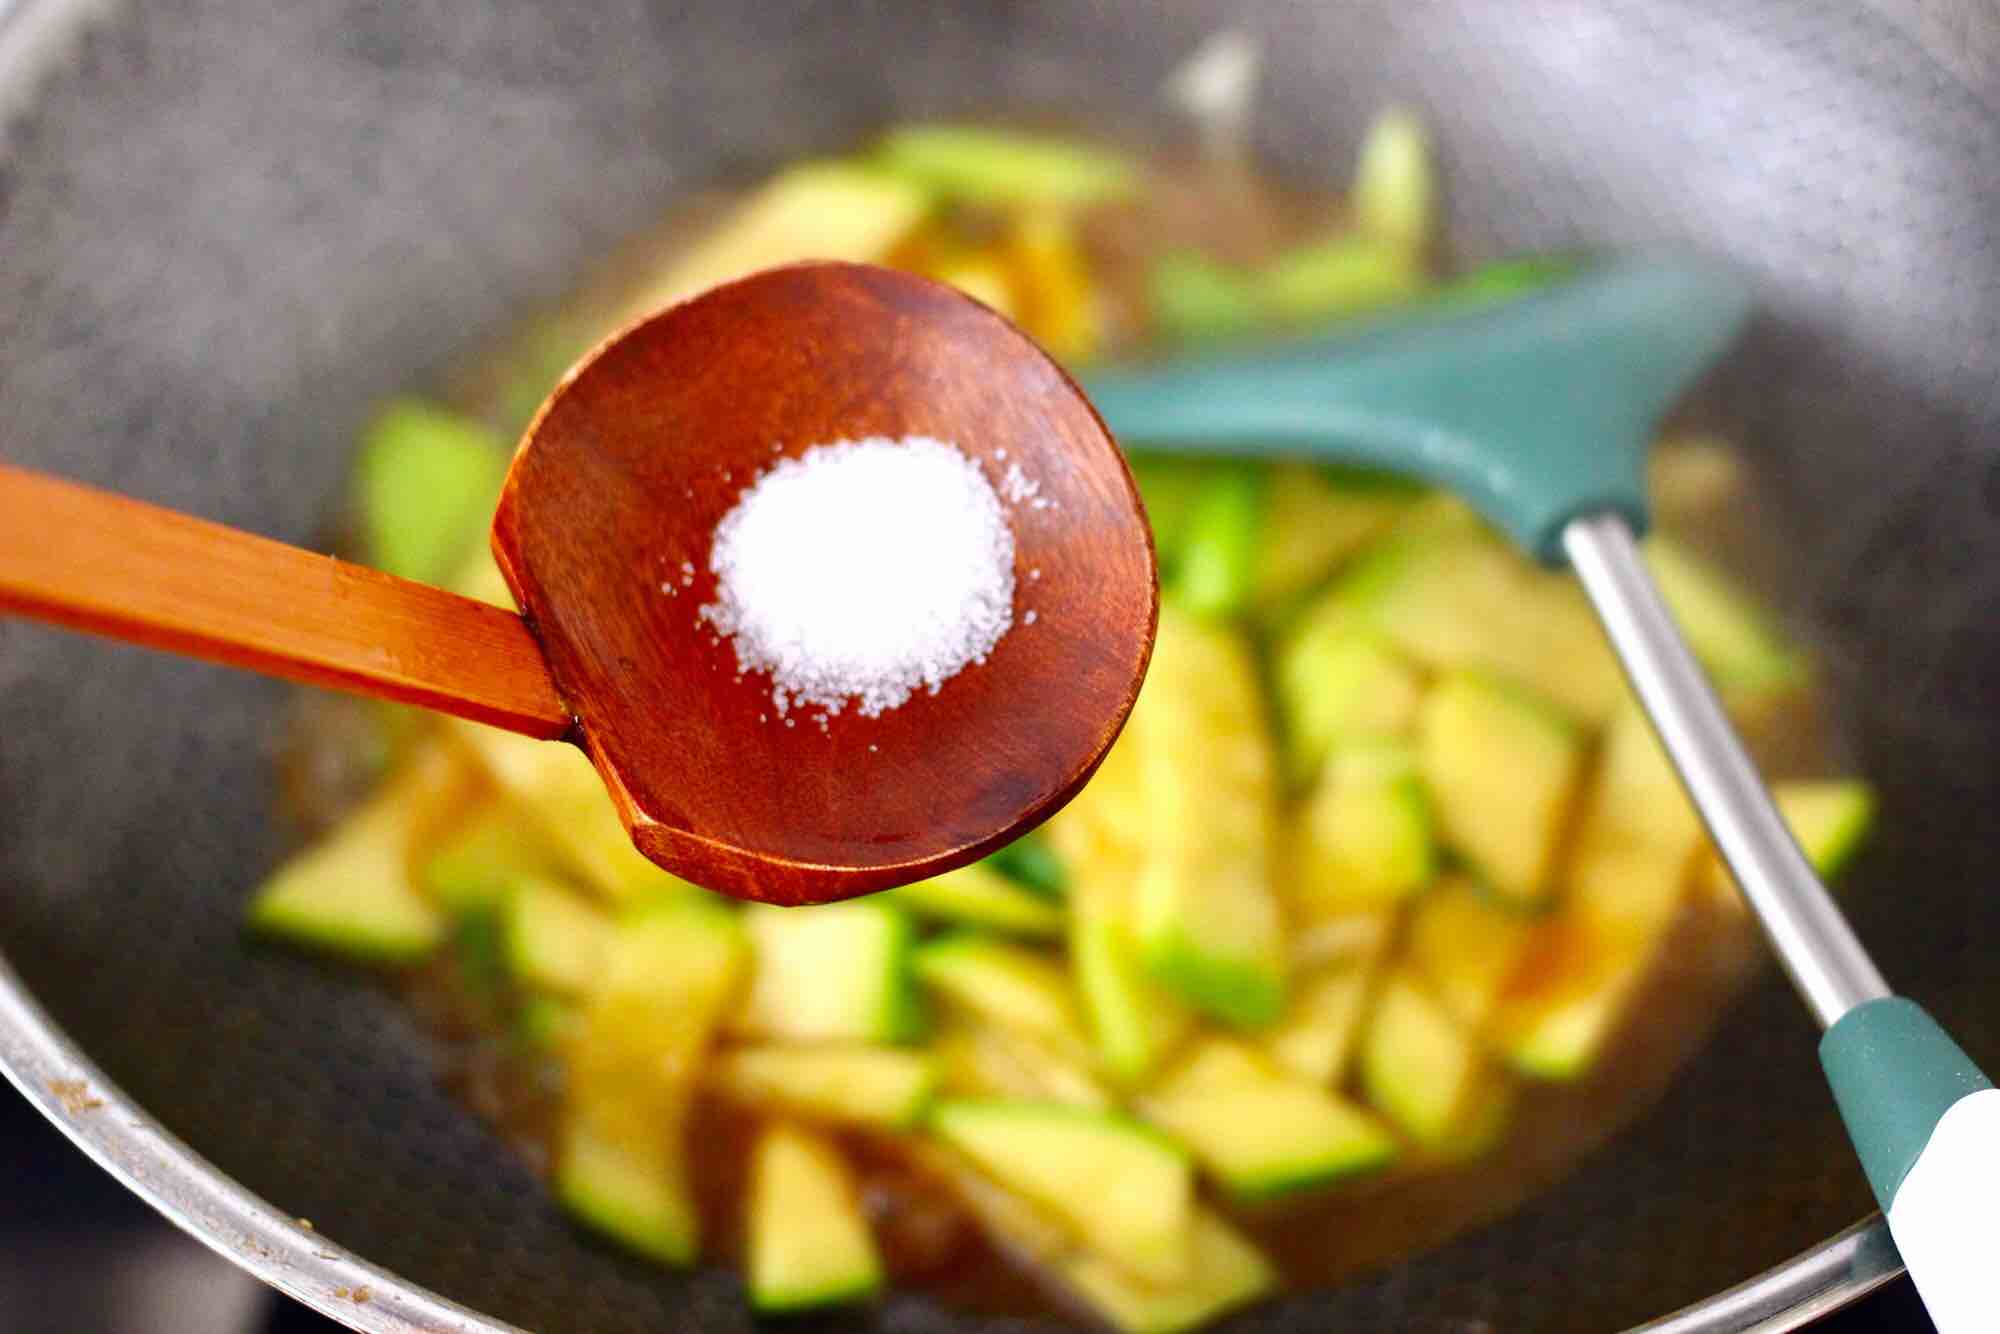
[109,565]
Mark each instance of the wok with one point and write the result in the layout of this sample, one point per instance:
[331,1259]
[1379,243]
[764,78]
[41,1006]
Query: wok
[240,224]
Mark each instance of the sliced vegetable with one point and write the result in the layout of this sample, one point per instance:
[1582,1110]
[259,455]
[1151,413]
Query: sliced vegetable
[1219,553]
[1171,487]
[1337,684]
[984,1060]
[978,895]
[1394,182]
[352,893]
[1502,768]
[1733,638]
[1336,278]
[555,939]
[476,864]
[815,210]
[1033,862]
[1224,1272]
[1418,1065]
[1466,947]
[836,972]
[1125,1190]
[1315,1038]
[1193,299]
[1006,985]
[620,1164]
[809,1243]
[1133,1021]
[1366,837]
[428,481]
[1052,275]
[1312,522]
[983,165]
[846,1085]
[1259,1132]
[1205,911]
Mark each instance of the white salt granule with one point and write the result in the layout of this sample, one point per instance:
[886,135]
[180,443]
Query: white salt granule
[1017,486]
[863,570]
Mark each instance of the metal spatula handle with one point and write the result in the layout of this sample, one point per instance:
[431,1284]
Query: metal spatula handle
[1924,1120]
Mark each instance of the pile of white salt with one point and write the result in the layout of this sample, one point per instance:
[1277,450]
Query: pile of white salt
[862,571]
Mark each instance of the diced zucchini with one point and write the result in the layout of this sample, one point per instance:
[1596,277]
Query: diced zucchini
[1338,277]
[1133,1021]
[620,1165]
[555,939]
[558,791]
[981,277]
[1204,909]
[814,210]
[1466,947]
[475,865]
[1225,1272]
[978,895]
[428,482]
[1316,1036]
[1394,182]
[983,1060]
[1731,635]
[1311,524]
[352,893]
[1171,487]
[1482,1121]
[1418,1065]
[1218,558]
[1366,837]
[1261,1133]
[1502,768]
[1032,862]
[845,1085]
[983,165]
[1451,596]
[1006,985]
[835,972]
[1335,685]
[1052,274]
[1830,819]
[1571,991]
[809,1245]
[1123,1188]
[547,1023]
[1355,938]
[1193,299]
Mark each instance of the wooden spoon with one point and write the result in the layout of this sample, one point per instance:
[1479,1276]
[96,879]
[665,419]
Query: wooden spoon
[617,489]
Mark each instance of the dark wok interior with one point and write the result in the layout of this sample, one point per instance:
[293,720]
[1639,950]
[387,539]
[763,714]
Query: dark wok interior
[226,229]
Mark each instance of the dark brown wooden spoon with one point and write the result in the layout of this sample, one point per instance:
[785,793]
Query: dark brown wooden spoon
[616,489]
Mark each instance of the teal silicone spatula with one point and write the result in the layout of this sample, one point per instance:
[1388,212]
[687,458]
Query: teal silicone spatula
[1539,412]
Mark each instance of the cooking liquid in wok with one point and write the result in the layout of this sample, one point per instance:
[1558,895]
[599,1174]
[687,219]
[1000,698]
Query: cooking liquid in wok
[1229,214]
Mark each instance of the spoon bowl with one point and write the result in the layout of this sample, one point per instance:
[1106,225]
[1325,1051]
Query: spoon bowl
[604,532]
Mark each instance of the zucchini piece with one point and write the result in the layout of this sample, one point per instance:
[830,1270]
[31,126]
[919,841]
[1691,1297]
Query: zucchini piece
[1395,185]
[1170,485]
[1451,596]
[814,210]
[978,895]
[1123,1188]
[1261,1133]
[1005,985]
[835,972]
[981,277]
[1315,1038]
[982,165]
[1193,299]
[1830,819]
[1205,911]
[1419,1066]
[1366,838]
[1356,938]
[1502,768]
[1052,273]
[809,1245]
[428,482]
[1466,947]
[475,865]
[1728,632]
[1337,278]
[1032,862]
[1311,524]
[1335,685]
[985,1061]
[352,893]
[620,1165]
[1218,558]
[547,1023]
[1225,1272]
[1483,1121]
[558,792]
[843,1085]
[1132,1020]
[555,940]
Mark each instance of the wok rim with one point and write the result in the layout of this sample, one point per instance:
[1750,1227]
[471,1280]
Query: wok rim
[66,1087]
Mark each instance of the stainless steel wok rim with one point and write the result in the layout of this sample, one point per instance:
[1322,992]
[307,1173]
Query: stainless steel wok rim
[40,1060]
